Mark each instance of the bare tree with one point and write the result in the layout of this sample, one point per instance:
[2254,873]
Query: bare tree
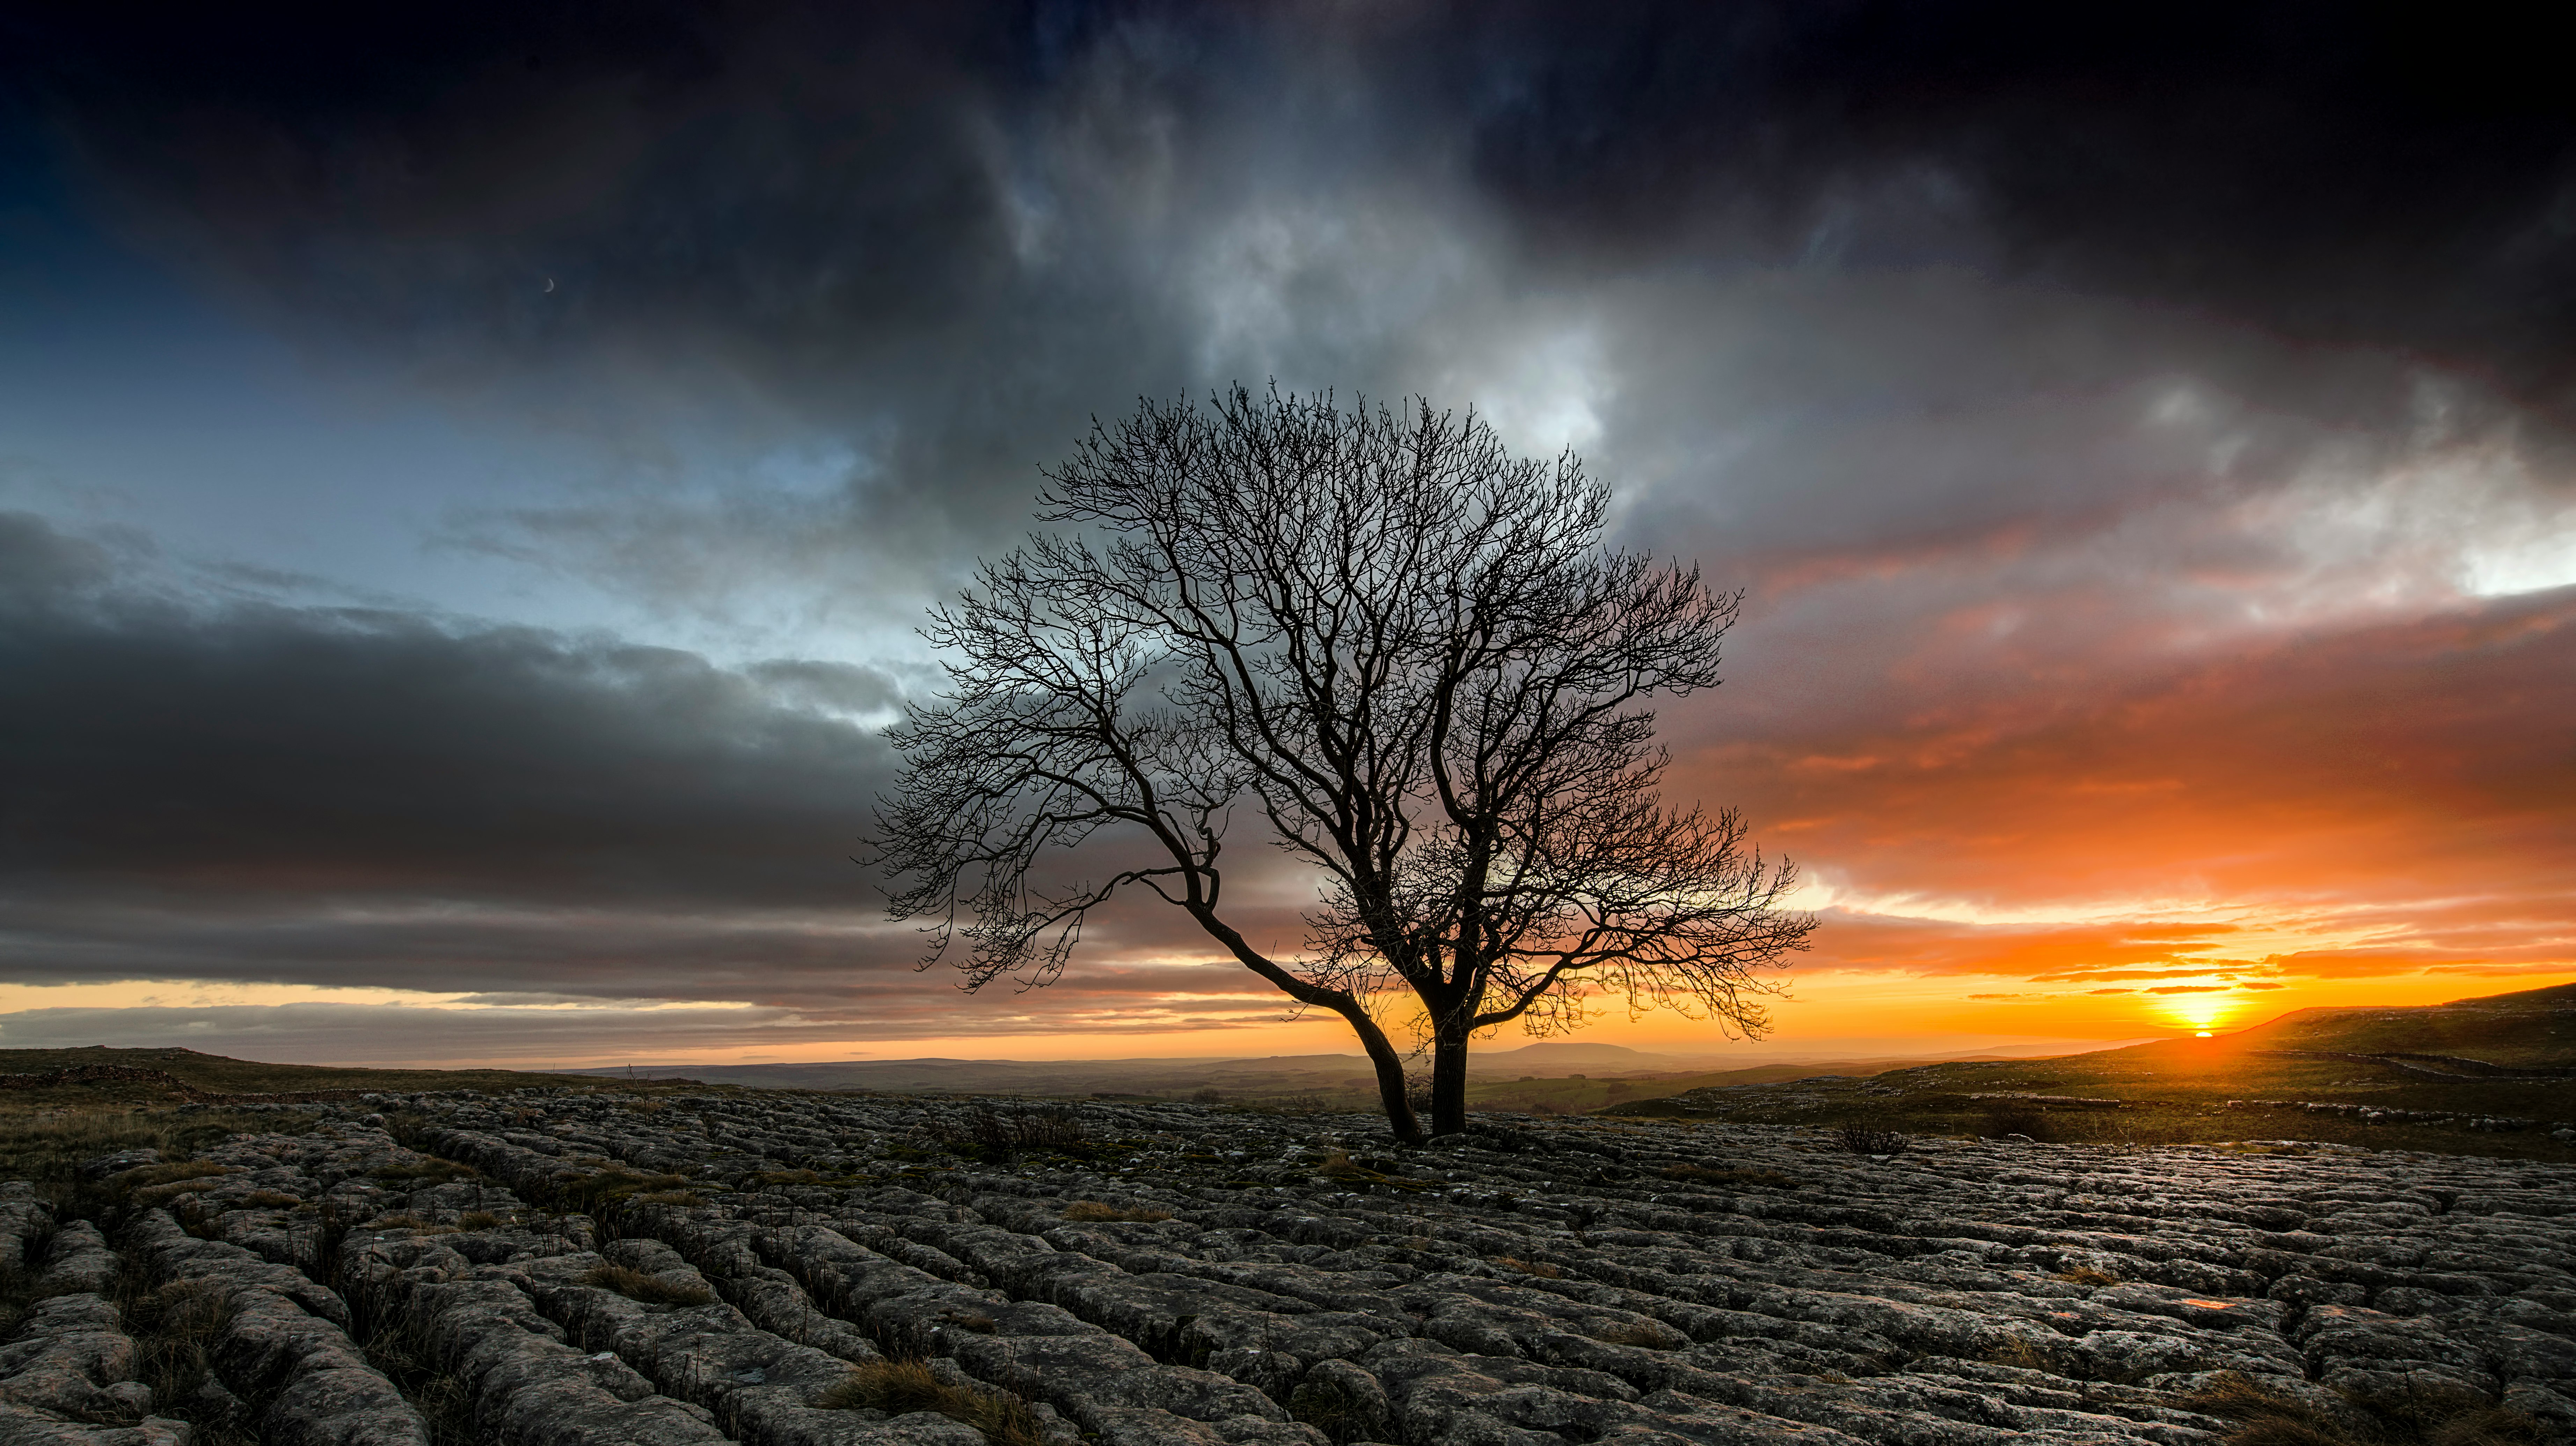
[1412,654]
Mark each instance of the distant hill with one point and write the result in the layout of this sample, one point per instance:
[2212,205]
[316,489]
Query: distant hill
[2497,1037]
[1559,1055]
[38,1080]
[2530,1027]
[2491,1075]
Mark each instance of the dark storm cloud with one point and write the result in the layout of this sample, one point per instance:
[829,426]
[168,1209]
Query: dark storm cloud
[840,185]
[946,234]
[2388,175]
[812,208]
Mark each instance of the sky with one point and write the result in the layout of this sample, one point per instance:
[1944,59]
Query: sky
[470,478]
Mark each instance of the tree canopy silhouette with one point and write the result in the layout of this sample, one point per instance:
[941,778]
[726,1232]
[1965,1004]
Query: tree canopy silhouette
[1412,656]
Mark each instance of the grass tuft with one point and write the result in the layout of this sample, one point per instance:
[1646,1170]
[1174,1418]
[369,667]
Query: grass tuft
[589,1193]
[1102,1210]
[430,1171]
[1539,1268]
[175,1328]
[1705,1175]
[401,1348]
[2087,1275]
[1652,1335]
[2023,1354]
[902,1387]
[160,1184]
[635,1285]
[410,1222]
[765,1178]
[17,1295]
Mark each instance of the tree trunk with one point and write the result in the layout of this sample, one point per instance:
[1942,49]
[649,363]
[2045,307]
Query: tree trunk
[1390,1078]
[1449,1074]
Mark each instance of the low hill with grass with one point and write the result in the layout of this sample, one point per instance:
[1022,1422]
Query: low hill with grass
[2534,1027]
[2490,1076]
[40,1080]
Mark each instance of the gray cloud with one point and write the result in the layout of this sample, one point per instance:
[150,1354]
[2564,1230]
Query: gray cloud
[2022,360]
[222,764]
[326,797]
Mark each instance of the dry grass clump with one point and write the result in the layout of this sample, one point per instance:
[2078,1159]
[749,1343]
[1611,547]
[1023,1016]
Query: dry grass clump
[2023,1354]
[635,1285]
[612,1185]
[410,1222]
[2439,1416]
[169,1172]
[1341,1166]
[152,1185]
[1102,1210]
[2425,1416]
[401,1348]
[1705,1175]
[901,1387]
[2087,1275]
[781,1177]
[429,1170]
[1338,1165]
[1539,1268]
[479,1220]
[175,1329]
[17,1293]
[1652,1335]
[270,1200]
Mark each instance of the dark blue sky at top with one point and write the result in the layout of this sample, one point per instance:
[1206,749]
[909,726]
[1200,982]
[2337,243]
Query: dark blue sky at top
[371,611]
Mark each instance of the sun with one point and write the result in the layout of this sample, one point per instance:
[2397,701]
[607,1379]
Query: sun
[2202,1014]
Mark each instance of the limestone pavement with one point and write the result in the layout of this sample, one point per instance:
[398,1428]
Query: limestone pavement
[571,1267]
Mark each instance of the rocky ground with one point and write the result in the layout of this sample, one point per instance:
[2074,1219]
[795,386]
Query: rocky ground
[814,1270]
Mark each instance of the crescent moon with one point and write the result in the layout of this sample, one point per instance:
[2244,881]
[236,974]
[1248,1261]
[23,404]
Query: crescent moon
[550,283]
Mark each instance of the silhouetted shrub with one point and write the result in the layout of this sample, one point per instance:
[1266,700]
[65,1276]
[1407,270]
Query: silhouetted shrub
[1862,1140]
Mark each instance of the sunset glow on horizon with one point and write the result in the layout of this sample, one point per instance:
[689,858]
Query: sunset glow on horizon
[464,521]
